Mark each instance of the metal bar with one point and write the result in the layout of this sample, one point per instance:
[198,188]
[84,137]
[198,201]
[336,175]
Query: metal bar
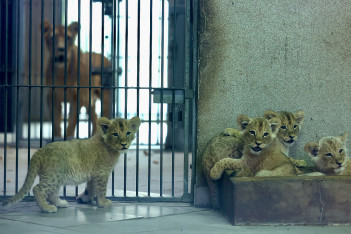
[113,77]
[30,76]
[17,90]
[41,71]
[53,71]
[6,89]
[102,56]
[173,141]
[138,103]
[187,101]
[65,89]
[162,86]
[65,82]
[78,76]
[90,51]
[126,94]
[194,58]
[150,85]
[118,41]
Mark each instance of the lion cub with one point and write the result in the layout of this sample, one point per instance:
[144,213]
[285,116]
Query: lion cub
[228,144]
[330,155]
[76,161]
[261,154]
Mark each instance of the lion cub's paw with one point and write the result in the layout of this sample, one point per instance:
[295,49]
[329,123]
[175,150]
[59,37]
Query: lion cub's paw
[299,163]
[104,203]
[49,209]
[231,132]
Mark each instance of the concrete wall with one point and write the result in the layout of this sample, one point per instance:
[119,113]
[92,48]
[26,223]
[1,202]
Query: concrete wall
[270,54]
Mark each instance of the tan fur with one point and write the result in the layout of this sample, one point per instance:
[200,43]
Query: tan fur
[261,155]
[227,144]
[288,132]
[56,76]
[330,155]
[76,161]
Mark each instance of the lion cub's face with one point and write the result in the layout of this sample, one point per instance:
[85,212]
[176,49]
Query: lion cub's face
[59,40]
[329,154]
[118,134]
[290,125]
[258,133]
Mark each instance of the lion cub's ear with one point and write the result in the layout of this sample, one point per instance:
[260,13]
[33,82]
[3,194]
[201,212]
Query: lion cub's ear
[275,124]
[343,137]
[46,27]
[300,116]
[103,124]
[242,121]
[270,114]
[312,149]
[135,123]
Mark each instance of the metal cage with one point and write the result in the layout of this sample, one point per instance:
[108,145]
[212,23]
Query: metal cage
[149,46]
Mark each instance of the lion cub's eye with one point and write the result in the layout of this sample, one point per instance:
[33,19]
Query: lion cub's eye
[252,132]
[283,127]
[128,133]
[295,126]
[116,134]
[265,134]
[341,151]
[329,155]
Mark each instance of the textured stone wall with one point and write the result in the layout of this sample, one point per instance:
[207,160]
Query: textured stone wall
[280,55]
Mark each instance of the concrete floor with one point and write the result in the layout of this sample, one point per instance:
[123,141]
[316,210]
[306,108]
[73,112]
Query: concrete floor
[26,217]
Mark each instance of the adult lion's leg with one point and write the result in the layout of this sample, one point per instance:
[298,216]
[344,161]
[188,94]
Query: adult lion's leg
[72,120]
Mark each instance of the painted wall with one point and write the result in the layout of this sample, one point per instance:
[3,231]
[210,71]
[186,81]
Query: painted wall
[281,55]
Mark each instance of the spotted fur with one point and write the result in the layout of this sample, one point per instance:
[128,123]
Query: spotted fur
[76,161]
[261,155]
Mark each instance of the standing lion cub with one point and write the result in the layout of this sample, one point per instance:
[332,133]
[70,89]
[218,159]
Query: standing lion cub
[76,161]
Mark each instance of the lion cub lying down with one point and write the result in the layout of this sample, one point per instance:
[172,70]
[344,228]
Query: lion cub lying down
[76,161]
[261,154]
[330,155]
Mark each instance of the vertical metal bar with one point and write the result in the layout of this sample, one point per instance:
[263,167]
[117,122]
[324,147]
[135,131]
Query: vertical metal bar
[53,71]
[6,89]
[65,88]
[30,76]
[102,55]
[90,51]
[17,90]
[65,83]
[195,91]
[78,76]
[162,86]
[187,101]
[126,93]
[173,140]
[41,72]
[138,102]
[150,88]
[173,92]
[118,37]
[113,76]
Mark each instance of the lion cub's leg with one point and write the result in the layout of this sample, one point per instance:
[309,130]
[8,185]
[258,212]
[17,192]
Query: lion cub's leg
[226,164]
[41,192]
[55,199]
[100,186]
[214,192]
[283,170]
[88,195]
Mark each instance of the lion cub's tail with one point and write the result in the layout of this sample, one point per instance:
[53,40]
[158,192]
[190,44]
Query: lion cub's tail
[31,175]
